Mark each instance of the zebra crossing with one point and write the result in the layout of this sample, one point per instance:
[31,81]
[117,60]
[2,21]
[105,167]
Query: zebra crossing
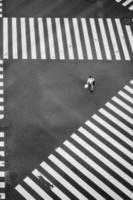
[126,3]
[1,8]
[67,39]
[94,163]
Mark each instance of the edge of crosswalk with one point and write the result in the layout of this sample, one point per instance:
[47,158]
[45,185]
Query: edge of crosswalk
[126,3]
[100,151]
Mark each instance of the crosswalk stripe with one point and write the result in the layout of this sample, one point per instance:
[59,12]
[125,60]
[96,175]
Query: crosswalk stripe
[59,37]
[2,163]
[116,133]
[126,3]
[77,38]
[24,193]
[116,121]
[32,38]
[14,38]
[68,38]
[95,39]
[3,196]
[42,38]
[129,89]
[104,38]
[23,38]
[65,183]
[122,39]
[37,189]
[73,176]
[103,159]
[54,189]
[119,112]
[104,173]
[123,104]
[2,185]
[125,96]
[105,148]
[50,38]
[87,39]
[5,38]
[130,36]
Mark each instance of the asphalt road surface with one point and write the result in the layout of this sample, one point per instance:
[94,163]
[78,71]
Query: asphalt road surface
[45,101]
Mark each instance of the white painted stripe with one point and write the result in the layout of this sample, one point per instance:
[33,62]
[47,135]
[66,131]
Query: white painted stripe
[2,153]
[1,69]
[87,39]
[14,38]
[1,99]
[102,159]
[2,134]
[104,38]
[105,148]
[77,39]
[1,91]
[23,38]
[24,193]
[1,15]
[59,38]
[1,108]
[119,112]
[1,62]
[101,171]
[131,81]
[122,39]
[129,89]
[95,39]
[75,177]
[42,38]
[1,84]
[130,36]
[54,189]
[2,163]
[122,104]
[68,38]
[50,38]
[32,38]
[127,2]
[37,189]
[5,38]
[131,7]
[2,184]
[62,181]
[3,196]
[1,116]
[2,174]
[1,76]
[125,96]
[2,144]
[116,121]
[116,133]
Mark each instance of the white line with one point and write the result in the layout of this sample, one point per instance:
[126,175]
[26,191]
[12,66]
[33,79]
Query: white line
[2,163]
[131,81]
[32,38]
[87,39]
[59,38]
[125,96]
[2,134]
[1,84]
[1,99]
[122,39]
[127,2]
[68,38]
[3,196]
[50,38]
[37,189]
[1,91]
[116,121]
[104,38]
[62,181]
[42,39]
[1,76]
[116,133]
[101,171]
[105,148]
[95,39]
[24,193]
[77,39]
[1,69]
[129,89]
[14,38]
[1,62]
[2,184]
[54,189]
[2,174]
[131,7]
[130,36]
[5,38]
[1,116]
[122,104]
[2,144]
[23,38]
[1,108]
[102,158]
[119,112]
[73,176]
[2,153]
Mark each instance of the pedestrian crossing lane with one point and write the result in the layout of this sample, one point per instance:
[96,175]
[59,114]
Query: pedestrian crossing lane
[95,162]
[126,3]
[67,39]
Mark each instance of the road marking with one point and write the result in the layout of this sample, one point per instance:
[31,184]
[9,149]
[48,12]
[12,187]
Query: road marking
[126,3]
[130,36]
[23,38]
[32,38]
[129,89]
[24,193]
[1,8]
[5,38]
[14,38]
[125,96]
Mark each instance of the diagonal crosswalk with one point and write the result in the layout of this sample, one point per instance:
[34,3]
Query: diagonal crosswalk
[126,3]
[67,39]
[95,162]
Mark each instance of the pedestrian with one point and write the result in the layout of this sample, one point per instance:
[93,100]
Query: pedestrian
[90,84]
